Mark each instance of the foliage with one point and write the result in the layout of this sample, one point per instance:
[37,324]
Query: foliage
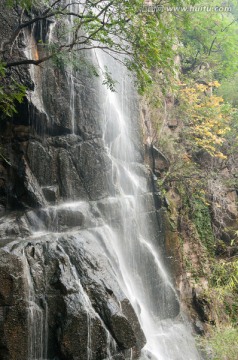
[108,80]
[181,169]
[225,275]
[231,144]
[228,90]
[10,93]
[202,219]
[222,343]
[190,183]
[139,39]
[27,4]
[206,117]
[210,45]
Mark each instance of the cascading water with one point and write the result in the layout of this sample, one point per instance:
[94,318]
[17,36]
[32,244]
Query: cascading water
[71,74]
[37,321]
[135,244]
[130,239]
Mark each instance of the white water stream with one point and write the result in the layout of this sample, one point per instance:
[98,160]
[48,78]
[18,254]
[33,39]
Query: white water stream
[37,320]
[134,247]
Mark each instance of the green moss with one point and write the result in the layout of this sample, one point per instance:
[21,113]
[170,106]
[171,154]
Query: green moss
[202,220]
[222,344]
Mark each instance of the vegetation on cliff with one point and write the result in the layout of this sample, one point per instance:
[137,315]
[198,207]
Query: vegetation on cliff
[194,126]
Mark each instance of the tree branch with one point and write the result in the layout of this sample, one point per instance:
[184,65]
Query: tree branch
[29,61]
[210,50]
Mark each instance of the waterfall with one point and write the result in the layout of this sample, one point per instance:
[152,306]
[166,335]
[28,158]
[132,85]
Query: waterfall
[134,243]
[122,220]
[127,228]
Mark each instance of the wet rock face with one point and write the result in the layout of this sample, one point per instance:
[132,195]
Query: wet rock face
[62,168]
[59,295]
[68,286]
[54,153]
[13,313]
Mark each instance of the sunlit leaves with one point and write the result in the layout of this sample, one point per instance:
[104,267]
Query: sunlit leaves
[206,117]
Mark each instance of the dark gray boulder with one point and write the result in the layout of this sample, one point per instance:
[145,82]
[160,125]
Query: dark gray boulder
[63,291]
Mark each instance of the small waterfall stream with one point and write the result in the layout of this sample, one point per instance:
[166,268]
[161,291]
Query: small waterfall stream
[37,320]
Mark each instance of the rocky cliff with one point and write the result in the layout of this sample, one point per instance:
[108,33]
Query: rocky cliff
[199,211]
[59,294]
